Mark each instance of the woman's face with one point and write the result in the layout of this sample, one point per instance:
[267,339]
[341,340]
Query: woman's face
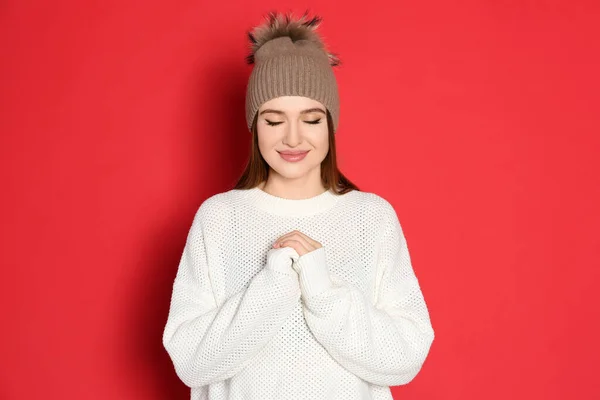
[292,124]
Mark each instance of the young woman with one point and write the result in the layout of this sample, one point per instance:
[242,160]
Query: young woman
[295,284]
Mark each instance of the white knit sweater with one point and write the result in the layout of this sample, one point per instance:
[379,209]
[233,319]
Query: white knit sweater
[247,321]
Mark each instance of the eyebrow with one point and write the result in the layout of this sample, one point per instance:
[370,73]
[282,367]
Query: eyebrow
[269,110]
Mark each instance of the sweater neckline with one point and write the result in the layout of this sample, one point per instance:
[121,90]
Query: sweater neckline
[291,207]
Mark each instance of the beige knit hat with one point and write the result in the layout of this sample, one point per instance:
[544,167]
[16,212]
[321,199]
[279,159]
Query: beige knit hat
[290,59]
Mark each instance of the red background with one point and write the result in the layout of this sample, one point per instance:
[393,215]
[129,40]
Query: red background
[478,120]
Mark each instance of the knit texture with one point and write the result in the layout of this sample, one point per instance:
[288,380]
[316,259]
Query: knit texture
[344,321]
[286,68]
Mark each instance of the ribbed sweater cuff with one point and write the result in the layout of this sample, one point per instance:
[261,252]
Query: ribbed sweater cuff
[313,273]
[281,260]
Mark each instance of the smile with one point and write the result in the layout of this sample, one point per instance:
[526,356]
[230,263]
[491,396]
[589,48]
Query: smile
[293,157]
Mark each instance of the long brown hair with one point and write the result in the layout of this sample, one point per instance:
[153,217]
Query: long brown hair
[257,169]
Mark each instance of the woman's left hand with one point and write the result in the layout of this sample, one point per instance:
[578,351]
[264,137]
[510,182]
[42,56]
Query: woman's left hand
[298,241]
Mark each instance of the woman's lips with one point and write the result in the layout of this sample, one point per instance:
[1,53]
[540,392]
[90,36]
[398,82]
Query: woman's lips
[293,157]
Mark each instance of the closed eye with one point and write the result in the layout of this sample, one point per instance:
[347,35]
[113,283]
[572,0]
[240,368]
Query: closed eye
[316,121]
[271,123]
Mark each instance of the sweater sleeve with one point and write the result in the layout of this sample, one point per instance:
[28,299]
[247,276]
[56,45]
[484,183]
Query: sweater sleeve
[210,342]
[385,343]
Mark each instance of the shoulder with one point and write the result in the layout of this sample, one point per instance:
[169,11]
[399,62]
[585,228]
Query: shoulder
[384,220]
[371,203]
[216,208]
[377,212]
[218,202]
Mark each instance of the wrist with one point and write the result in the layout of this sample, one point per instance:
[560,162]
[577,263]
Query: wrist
[313,273]
[281,260]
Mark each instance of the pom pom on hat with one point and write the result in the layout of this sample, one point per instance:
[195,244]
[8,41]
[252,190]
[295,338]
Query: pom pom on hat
[283,25]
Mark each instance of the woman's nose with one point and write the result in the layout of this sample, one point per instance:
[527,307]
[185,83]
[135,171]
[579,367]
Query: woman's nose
[292,134]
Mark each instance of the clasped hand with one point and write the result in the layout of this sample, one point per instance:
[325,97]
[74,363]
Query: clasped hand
[298,241]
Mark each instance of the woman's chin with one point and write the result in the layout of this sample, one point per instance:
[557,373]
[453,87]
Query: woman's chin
[291,171]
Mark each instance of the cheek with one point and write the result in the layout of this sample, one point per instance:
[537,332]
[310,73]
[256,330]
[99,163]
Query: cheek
[321,141]
[267,141]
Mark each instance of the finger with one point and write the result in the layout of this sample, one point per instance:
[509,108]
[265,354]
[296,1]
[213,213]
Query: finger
[296,245]
[299,237]
[284,237]
[287,234]
[312,242]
